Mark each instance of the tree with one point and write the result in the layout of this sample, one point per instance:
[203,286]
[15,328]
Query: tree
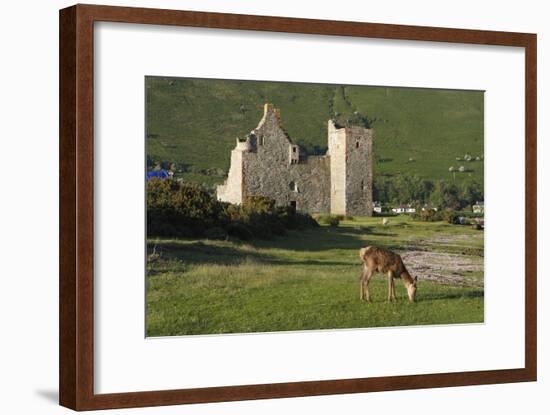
[470,193]
[451,197]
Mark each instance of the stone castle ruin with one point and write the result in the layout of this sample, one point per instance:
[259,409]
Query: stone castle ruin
[267,163]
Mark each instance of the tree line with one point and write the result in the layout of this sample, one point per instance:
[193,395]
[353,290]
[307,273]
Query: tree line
[406,189]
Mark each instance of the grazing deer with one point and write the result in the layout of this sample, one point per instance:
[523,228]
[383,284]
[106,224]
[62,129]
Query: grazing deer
[381,260]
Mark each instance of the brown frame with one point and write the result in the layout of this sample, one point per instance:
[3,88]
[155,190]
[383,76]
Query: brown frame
[76,336]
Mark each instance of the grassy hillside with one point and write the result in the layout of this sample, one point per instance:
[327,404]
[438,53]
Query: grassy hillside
[194,123]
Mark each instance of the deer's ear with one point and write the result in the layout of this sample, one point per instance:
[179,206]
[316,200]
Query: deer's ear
[416,278]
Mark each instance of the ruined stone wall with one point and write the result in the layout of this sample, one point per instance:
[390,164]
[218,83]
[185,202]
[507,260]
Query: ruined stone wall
[312,177]
[306,183]
[267,163]
[271,170]
[232,190]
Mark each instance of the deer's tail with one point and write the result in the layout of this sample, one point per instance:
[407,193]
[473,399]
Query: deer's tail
[363,252]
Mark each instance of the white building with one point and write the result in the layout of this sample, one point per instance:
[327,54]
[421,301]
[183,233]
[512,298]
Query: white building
[429,207]
[479,207]
[404,209]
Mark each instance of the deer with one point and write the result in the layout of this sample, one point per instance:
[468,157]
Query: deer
[381,260]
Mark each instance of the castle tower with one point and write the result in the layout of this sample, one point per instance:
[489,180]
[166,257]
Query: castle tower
[350,150]
[232,190]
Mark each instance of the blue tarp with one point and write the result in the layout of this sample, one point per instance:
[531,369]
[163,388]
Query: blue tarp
[157,174]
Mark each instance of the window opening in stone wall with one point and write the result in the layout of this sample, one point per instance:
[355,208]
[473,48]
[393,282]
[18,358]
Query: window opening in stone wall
[293,186]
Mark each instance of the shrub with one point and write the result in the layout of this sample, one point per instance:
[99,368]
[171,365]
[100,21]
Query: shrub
[239,230]
[261,216]
[451,217]
[429,215]
[187,210]
[180,209]
[295,220]
[301,221]
[334,221]
[331,220]
[215,233]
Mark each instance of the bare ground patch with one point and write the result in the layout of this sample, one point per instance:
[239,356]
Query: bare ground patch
[443,267]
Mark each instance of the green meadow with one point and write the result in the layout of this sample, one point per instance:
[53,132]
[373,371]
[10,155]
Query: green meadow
[194,123]
[309,280]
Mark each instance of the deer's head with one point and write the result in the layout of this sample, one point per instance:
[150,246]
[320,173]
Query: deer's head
[411,290]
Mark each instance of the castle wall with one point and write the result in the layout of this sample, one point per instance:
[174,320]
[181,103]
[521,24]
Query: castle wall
[272,169]
[267,163]
[232,190]
[306,183]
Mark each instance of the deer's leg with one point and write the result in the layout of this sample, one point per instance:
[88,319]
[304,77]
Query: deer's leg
[361,290]
[390,286]
[362,280]
[393,289]
[368,275]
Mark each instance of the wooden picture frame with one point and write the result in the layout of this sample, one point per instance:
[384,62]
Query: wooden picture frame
[76,305]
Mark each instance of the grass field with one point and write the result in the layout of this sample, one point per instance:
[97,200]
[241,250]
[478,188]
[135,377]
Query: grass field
[194,123]
[310,280]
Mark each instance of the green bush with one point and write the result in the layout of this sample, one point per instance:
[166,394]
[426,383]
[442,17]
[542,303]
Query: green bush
[335,221]
[240,231]
[451,217]
[215,233]
[428,215]
[446,215]
[297,220]
[262,217]
[178,209]
[331,220]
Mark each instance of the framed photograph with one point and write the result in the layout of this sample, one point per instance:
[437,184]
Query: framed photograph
[258,207]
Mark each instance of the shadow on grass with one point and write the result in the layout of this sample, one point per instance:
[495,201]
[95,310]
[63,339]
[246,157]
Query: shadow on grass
[325,238]
[192,252]
[317,263]
[370,231]
[451,296]
[204,253]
